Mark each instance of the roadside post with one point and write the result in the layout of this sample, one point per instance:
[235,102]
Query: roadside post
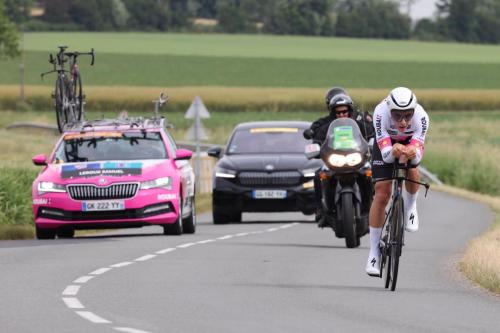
[196,132]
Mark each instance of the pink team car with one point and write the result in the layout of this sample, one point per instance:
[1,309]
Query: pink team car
[114,174]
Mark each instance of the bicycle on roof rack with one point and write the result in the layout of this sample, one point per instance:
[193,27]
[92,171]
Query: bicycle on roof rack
[68,94]
[392,240]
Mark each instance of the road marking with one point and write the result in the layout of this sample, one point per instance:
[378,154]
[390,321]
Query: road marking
[206,241]
[146,257]
[100,271]
[83,279]
[225,237]
[129,330]
[92,317]
[71,290]
[183,246]
[73,303]
[170,249]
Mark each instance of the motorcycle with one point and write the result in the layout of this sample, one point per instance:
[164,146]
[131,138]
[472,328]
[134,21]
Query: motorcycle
[345,154]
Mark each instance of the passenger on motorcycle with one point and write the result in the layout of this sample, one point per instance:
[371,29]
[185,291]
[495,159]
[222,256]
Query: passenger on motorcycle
[400,128]
[339,105]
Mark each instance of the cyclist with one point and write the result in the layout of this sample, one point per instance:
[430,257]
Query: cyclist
[400,128]
[339,105]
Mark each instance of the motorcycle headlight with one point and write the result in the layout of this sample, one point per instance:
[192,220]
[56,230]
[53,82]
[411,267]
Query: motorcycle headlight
[50,187]
[164,182]
[225,173]
[353,159]
[337,160]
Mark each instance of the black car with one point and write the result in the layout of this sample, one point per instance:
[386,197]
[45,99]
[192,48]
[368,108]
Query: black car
[263,169]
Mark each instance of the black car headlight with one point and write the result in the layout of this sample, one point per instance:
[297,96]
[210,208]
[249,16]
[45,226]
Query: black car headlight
[224,173]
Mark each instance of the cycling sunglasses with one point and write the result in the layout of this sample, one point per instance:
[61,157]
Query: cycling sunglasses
[398,115]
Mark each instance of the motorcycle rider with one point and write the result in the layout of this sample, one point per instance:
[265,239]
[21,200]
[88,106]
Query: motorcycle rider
[339,105]
[400,128]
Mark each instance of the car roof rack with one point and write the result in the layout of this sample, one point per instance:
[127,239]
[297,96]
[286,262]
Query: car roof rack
[123,121]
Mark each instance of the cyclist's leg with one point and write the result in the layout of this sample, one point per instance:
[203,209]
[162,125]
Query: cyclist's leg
[410,195]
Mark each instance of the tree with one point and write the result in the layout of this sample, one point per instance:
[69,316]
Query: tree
[9,39]
[120,14]
[18,11]
[372,19]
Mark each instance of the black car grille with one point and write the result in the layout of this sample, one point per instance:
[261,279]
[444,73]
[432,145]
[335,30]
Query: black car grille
[92,192]
[279,178]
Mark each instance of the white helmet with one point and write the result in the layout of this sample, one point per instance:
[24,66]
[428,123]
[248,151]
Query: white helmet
[401,98]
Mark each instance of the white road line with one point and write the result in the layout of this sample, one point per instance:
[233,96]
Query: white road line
[225,237]
[183,246]
[146,257]
[257,232]
[166,250]
[272,229]
[100,271]
[122,264]
[287,226]
[71,290]
[92,317]
[129,330]
[73,303]
[83,279]
[206,241]
[242,234]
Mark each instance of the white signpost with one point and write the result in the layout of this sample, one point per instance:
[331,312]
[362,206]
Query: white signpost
[196,132]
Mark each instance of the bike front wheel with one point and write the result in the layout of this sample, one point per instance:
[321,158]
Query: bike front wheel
[396,236]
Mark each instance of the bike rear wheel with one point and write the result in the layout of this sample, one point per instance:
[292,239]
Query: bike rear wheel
[77,92]
[397,226]
[59,104]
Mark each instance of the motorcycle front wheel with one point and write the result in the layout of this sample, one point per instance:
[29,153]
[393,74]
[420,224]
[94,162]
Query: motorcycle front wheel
[349,221]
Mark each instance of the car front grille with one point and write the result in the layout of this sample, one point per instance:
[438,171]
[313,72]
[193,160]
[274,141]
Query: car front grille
[92,192]
[278,178]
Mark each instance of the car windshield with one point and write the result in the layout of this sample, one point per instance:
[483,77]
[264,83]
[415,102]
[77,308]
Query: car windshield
[106,146]
[279,140]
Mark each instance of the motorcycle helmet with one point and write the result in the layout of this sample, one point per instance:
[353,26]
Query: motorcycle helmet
[341,100]
[331,93]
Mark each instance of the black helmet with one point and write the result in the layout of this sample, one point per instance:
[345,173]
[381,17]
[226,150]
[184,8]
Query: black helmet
[332,92]
[340,100]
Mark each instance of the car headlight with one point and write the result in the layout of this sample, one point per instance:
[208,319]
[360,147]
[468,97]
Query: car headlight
[353,159]
[225,173]
[50,187]
[308,173]
[337,160]
[164,182]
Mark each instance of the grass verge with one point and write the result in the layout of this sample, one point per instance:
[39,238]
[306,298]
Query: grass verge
[481,261]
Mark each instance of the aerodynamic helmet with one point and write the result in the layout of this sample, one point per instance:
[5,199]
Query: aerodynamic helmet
[402,99]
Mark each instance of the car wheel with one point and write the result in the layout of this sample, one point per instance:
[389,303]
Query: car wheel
[176,227]
[45,233]
[66,233]
[189,223]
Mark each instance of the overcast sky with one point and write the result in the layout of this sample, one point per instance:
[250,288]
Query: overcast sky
[422,8]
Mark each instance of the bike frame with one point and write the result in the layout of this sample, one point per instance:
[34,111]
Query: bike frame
[392,241]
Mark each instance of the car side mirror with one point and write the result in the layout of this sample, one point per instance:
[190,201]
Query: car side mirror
[312,151]
[308,134]
[183,154]
[214,151]
[39,160]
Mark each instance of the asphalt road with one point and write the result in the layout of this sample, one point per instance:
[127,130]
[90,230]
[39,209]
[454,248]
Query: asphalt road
[272,273]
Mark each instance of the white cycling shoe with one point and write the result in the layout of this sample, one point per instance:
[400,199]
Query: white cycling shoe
[373,266]
[411,223]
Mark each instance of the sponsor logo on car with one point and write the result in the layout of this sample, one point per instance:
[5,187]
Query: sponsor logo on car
[41,201]
[167,196]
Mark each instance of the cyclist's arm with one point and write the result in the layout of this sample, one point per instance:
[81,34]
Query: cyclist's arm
[382,137]
[418,138]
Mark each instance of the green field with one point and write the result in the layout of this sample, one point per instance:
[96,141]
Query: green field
[153,59]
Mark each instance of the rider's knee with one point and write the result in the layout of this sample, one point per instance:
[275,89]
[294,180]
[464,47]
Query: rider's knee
[382,195]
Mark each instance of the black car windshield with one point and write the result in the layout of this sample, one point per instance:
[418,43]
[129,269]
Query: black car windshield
[106,146]
[276,140]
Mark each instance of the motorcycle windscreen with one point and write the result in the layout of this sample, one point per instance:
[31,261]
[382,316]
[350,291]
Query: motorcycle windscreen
[344,135]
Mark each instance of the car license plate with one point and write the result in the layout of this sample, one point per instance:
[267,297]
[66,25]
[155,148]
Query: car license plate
[269,194]
[88,206]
